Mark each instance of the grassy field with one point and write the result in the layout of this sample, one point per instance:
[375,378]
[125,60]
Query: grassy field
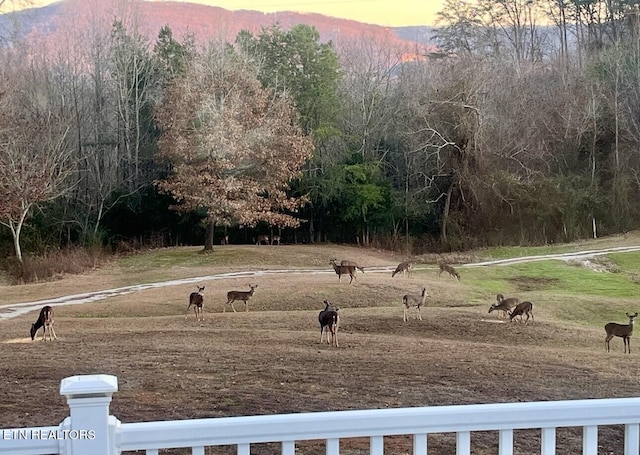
[269,360]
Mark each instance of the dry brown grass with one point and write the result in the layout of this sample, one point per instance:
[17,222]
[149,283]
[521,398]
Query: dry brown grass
[269,360]
[53,264]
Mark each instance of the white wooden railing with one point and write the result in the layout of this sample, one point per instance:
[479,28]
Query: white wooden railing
[91,430]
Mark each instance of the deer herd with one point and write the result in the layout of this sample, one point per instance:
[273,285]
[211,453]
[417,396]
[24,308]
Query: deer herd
[329,317]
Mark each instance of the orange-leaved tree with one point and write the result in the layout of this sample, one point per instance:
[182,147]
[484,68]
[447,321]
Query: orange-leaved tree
[232,146]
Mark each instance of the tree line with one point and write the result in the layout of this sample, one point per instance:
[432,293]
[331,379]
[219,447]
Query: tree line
[522,127]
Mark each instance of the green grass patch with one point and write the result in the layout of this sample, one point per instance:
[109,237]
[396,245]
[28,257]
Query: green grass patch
[506,252]
[629,263]
[556,277]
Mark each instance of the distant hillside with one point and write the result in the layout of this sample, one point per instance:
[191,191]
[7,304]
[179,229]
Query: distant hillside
[422,34]
[207,22]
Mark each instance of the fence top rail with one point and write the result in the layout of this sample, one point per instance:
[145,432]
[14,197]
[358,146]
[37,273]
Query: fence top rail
[29,441]
[378,422]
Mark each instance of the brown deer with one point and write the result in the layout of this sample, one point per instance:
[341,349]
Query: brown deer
[416,300]
[275,239]
[444,267]
[623,331]
[262,239]
[404,267]
[524,308]
[224,240]
[197,300]
[232,296]
[504,305]
[352,263]
[344,270]
[45,320]
[329,320]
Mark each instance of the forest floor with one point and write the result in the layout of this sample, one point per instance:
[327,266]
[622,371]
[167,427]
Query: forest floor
[269,360]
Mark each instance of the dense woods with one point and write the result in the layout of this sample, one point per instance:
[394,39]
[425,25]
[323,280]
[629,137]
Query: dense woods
[523,127]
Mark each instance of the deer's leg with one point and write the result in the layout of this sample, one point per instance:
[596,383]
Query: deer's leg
[419,314]
[335,334]
[246,306]
[233,308]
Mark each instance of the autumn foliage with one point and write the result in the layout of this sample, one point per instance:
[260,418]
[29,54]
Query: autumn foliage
[232,146]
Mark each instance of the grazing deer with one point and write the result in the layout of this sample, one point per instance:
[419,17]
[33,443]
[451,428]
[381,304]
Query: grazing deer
[197,300]
[344,270]
[521,309]
[620,330]
[351,263]
[404,267]
[45,320]
[416,300]
[275,239]
[329,320]
[232,296]
[262,239]
[504,305]
[444,267]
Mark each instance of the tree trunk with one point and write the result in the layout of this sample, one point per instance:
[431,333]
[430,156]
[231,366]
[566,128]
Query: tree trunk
[445,215]
[208,238]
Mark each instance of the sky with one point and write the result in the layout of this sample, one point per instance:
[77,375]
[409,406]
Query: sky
[394,13]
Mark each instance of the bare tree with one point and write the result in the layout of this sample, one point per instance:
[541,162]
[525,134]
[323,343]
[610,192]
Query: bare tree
[35,155]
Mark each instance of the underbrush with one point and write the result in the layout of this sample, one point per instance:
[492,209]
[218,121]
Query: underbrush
[53,264]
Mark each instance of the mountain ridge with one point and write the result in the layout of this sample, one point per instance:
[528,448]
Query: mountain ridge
[208,22]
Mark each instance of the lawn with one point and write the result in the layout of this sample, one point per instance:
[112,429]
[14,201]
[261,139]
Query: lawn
[269,360]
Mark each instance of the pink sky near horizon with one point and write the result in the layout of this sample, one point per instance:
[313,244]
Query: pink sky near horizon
[382,12]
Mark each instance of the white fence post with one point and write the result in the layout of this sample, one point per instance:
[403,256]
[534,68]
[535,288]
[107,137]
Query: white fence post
[89,429]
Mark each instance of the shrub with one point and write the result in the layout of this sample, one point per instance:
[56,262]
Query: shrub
[53,264]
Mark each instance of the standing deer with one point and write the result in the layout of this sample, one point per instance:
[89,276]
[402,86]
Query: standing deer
[197,300]
[262,239]
[416,300]
[623,331]
[329,320]
[224,240]
[344,270]
[275,239]
[444,267]
[352,263]
[232,296]
[404,267]
[521,309]
[504,305]
[45,320]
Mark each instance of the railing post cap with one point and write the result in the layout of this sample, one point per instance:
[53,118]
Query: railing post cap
[89,384]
